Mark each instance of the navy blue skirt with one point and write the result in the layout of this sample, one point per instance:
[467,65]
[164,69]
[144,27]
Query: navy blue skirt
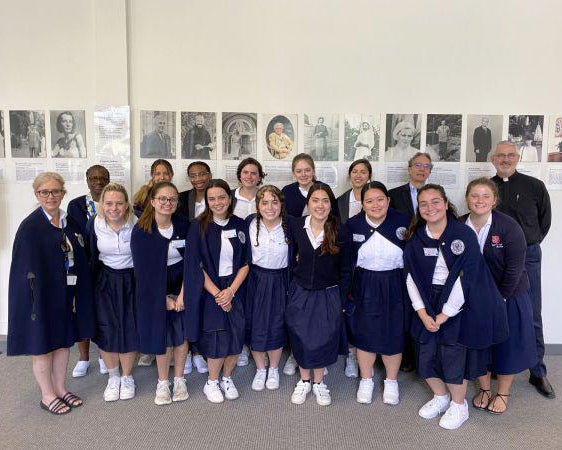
[377,322]
[314,324]
[266,299]
[229,341]
[175,321]
[115,303]
[519,351]
[452,363]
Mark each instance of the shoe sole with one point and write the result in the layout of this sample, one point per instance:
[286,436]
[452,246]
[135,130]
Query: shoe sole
[258,388]
[391,402]
[180,399]
[298,402]
[323,403]
[364,402]
[272,388]
[128,397]
[453,428]
[429,418]
[162,402]
[79,375]
[111,399]
[231,398]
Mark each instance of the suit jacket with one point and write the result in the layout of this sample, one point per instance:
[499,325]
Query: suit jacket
[482,139]
[401,200]
[186,205]
[153,146]
[343,206]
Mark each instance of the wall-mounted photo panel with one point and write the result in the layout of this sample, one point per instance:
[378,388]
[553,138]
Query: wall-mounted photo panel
[362,137]
[198,135]
[2,137]
[443,136]
[239,135]
[27,134]
[321,136]
[527,133]
[484,132]
[280,136]
[68,134]
[158,134]
[554,152]
[403,136]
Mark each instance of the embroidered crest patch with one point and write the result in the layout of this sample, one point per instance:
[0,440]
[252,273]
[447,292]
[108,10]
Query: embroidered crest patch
[457,247]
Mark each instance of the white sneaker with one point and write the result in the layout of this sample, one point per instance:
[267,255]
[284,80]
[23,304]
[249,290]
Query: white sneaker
[322,394]
[243,358]
[180,390]
[301,390]
[146,360]
[391,395]
[187,369]
[230,391]
[272,382]
[455,416]
[111,392]
[81,369]
[437,405]
[103,367]
[163,396]
[127,389]
[259,380]
[351,366]
[290,366]
[212,391]
[365,390]
[200,364]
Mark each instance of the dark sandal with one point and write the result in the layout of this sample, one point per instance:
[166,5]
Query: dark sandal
[72,400]
[55,407]
[493,402]
[482,392]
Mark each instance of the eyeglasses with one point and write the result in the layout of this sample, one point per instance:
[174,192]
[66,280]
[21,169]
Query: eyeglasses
[44,193]
[433,203]
[506,155]
[425,166]
[163,200]
[98,179]
[193,176]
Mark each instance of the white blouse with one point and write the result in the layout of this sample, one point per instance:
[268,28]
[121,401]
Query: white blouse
[314,241]
[272,251]
[174,256]
[114,246]
[481,235]
[227,252]
[354,205]
[244,207]
[378,253]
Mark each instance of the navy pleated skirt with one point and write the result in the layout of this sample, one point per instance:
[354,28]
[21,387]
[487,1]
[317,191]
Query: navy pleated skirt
[377,322]
[228,341]
[314,324]
[175,321]
[114,296]
[266,299]
[519,351]
[451,363]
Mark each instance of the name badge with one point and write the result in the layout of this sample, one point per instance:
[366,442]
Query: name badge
[228,234]
[179,243]
[430,252]
[71,280]
[358,238]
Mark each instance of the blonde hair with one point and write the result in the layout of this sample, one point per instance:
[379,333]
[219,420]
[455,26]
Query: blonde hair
[116,187]
[45,177]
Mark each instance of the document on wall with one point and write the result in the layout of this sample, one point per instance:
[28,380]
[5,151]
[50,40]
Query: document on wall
[72,170]
[278,174]
[447,175]
[329,175]
[478,170]
[531,169]
[553,179]
[2,170]
[112,126]
[26,171]
[396,174]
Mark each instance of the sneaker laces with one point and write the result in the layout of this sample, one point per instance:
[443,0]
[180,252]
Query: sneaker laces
[113,383]
[322,390]
[300,388]
[128,382]
[163,388]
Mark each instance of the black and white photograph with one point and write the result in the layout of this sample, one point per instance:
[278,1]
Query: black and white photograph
[555,140]
[27,134]
[239,135]
[158,134]
[484,132]
[362,137]
[68,134]
[321,136]
[280,136]
[403,135]
[2,135]
[527,133]
[443,136]
[198,135]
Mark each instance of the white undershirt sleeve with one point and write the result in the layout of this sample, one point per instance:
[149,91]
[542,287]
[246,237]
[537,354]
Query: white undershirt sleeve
[454,303]
[414,293]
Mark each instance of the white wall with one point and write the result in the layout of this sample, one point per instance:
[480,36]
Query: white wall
[285,56]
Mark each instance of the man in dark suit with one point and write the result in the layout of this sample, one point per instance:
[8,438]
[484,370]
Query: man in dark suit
[405,198]
[157,144]
[197,143]
[482,140]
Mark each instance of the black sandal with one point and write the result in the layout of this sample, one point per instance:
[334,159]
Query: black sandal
[493,402]
[72,400]
[56,407]
[482,392]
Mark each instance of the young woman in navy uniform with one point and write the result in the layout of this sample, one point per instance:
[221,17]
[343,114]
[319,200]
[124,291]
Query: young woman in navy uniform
[460,312]
[376,307]
[50,303]
[158,247]
[215,272]
[321,277]
[503,244]
[266,296]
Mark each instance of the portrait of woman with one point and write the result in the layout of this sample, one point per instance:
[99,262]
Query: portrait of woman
[68,130]
[402,146]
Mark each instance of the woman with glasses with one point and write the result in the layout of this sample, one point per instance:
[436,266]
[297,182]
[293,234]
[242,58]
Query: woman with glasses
[50,299]
[160,170]
[158,248]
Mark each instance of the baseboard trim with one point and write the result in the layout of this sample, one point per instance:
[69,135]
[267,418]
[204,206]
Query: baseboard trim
[553,349]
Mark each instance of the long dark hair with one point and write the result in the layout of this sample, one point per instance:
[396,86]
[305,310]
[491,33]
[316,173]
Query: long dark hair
[276,192]
[206,216]
[148,214]
[332,224]
[418,222]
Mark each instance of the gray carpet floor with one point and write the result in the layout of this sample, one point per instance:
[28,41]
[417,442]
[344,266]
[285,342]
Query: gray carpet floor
[265,419]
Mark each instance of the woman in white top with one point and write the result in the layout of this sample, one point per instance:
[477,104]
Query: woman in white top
[250,174]
[109,235]
[528,151]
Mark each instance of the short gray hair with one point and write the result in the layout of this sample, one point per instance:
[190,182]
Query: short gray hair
[45,177]
[507,144]
[417,155]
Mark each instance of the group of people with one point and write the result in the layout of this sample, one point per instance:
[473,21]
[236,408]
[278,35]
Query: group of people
[216,271]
